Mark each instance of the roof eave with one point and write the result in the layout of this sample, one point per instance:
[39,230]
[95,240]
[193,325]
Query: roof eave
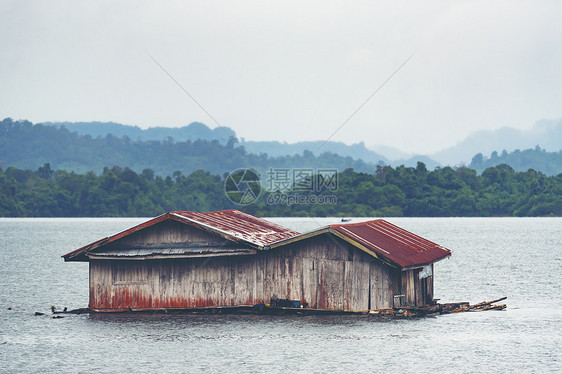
[417,266]
[81,254]
[71,256]
[297,238]
[170,257]
[365,249]
[330,230]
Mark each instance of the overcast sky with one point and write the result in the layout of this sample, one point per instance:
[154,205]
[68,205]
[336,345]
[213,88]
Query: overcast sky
[287,70]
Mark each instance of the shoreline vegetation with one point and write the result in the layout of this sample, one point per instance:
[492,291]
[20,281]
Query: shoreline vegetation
[47,171]
[388,192]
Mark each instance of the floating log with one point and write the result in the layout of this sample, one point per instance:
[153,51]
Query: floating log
[485,305]
[439,309]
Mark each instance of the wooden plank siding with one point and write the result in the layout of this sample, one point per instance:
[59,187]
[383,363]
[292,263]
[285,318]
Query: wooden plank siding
[323,272]
[167,232]
[430,287]
[417,292]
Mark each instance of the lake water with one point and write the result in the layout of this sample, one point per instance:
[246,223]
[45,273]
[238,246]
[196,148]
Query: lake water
[492,257]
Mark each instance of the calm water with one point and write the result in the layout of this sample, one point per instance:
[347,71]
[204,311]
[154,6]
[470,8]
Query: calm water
[492,257]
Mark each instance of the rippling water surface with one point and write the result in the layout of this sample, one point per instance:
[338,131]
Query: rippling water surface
[492,257]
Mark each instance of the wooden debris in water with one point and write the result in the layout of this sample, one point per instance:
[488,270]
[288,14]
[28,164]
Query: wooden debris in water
[485,305]
[438,309]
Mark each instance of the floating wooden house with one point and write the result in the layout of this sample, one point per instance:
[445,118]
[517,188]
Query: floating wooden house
[230,258]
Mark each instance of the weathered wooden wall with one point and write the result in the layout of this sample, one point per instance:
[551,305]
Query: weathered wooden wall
[167,232]
[323,272]
[417,291]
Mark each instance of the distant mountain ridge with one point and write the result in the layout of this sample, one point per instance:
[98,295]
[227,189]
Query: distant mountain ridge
[197,130]
[356,151]
[274,148]
[549,163]
[545,133]
[27,146]
[193,131]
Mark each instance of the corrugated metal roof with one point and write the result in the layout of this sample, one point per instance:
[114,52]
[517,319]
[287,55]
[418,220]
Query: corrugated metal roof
[231,224]
[396,245]
[241,225]
[393,243]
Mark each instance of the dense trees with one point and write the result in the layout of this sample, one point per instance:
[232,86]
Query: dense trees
[401,191]
[71,179]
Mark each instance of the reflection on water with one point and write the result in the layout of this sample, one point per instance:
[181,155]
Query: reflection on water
[518,258]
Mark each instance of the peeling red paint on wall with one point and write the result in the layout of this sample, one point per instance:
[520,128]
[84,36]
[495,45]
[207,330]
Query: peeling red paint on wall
[124,298]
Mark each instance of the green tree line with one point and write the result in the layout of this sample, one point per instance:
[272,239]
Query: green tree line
[400,191]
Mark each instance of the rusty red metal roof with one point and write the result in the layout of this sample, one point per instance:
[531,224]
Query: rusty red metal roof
[240,225]
[232,224]
[397,246]
[393,243]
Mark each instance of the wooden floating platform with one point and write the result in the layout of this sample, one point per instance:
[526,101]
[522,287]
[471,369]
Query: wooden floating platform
[405,312]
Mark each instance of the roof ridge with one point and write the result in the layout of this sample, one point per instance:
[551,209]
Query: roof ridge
[358,223]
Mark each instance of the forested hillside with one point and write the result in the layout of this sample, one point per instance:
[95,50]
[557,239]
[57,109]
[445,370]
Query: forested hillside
[199,131]
[549,163]
[401,191]
[546,133]
[29,146]
[52,172]
[193,131]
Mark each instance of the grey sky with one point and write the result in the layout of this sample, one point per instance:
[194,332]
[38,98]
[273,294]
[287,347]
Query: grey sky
[288,70]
